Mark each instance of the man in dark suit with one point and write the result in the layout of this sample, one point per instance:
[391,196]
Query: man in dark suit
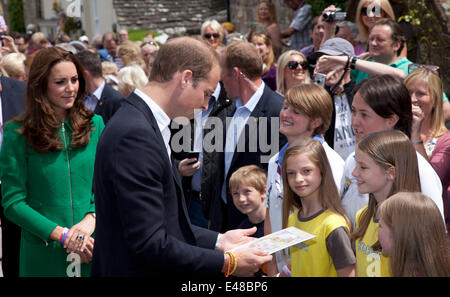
[12,97]
[142,226]
[252,135]
[202,177]
[102,99]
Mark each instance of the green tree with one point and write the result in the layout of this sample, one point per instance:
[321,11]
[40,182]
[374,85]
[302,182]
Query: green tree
[16,17]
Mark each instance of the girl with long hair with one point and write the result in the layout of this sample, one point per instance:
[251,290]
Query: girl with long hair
[47,165]
[386,163]
[412,234]
[312,204]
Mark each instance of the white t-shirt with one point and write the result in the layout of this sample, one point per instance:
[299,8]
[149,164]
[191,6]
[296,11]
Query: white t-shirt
[274,193]
[344,137]
[352,200]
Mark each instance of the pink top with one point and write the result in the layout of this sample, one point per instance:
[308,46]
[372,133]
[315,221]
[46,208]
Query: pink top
[440,160]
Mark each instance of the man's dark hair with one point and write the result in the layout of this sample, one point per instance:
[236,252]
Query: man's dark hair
[397,34]
[91,62]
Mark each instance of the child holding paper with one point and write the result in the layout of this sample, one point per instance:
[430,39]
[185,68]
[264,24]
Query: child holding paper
[312,204]
[248,189]
[386,163]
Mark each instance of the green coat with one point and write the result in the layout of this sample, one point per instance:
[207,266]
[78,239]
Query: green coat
[43,190]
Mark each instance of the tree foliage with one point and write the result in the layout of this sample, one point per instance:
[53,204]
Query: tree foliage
[16,16]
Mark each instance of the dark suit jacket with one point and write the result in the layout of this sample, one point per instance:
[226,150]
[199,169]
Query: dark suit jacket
[109,103]
[269,107]
[13,98]
[142,226]
[212,167]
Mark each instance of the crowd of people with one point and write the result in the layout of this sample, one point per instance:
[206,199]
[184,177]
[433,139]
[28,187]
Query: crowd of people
[135,158]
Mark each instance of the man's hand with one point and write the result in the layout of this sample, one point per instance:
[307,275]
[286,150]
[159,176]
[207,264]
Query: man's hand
[234,238]
[187,167]
[249,261]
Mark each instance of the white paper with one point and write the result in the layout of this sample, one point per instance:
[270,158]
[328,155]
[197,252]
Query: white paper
[279,240]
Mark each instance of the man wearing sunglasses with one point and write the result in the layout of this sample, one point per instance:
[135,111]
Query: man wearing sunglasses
[299,28]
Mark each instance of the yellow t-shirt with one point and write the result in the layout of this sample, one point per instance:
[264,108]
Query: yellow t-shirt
[311,258]
[368,261]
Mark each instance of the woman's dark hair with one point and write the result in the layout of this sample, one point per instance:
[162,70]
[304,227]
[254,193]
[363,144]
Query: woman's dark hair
[387,96]
[40,125]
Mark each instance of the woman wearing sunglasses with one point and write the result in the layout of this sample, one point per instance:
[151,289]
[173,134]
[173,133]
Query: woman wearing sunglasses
[212,32]
[292,70]
[367,13]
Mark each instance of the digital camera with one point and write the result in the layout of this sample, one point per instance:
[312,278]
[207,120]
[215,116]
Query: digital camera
[334,16]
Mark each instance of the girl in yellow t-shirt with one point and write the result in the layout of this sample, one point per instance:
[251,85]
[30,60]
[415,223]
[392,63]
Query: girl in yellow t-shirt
[386,163]
[312,198]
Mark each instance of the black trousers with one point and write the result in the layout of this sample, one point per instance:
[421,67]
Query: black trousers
[10,245]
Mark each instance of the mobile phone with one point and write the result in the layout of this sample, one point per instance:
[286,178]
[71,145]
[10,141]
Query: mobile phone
[190,155]
[319,79]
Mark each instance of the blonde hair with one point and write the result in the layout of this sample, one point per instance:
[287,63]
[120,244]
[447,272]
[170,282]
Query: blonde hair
[313,101]
[272,12]
[282,64]
[130,53]
[109,68]
[270,59]
[386,7]
[131,77]
[419,241]
[215,25]
[389,149]
[328,193]
[13,66]
[251,175]
[435,91]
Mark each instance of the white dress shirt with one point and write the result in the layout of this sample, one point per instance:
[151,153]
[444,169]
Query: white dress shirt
[162,119]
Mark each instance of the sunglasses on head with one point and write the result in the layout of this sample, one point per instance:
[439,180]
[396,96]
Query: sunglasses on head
[208,36]
[294,64]
[374,11]
[413,67]
[149,43]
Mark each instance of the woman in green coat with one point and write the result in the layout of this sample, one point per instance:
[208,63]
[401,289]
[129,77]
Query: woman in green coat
[46,168]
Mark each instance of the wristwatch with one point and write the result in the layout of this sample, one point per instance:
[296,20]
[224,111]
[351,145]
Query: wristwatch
[353,62]
[93,214]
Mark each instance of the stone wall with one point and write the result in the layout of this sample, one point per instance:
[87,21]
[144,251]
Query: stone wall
[167,15]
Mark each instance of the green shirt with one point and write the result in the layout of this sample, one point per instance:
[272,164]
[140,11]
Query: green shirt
[401,63]
[43,190]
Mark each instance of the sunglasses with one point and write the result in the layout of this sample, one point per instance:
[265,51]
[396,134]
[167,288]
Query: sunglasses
[208,36]
[294,64]
[149,43]
[374,11]
[413,67]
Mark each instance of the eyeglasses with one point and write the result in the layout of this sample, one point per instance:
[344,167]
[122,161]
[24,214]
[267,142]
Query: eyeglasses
[375,11]
[294,64]
[413,67]
[208,36]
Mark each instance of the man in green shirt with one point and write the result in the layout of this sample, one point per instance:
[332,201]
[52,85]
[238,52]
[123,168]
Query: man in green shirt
[386,41]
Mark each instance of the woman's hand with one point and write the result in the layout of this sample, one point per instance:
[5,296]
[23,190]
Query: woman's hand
[418,117]
[78,236]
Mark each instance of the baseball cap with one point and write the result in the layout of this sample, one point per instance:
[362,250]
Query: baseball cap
[84,38]
[337,47]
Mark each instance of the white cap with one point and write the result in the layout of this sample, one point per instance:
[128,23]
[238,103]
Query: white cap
[84,38]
